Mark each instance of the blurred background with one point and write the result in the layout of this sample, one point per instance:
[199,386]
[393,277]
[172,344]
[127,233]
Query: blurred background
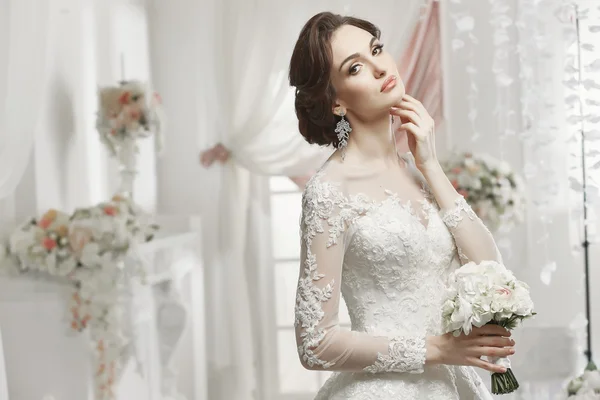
[183,108]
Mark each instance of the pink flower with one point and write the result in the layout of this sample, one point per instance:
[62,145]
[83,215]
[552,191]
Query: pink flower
[49,243]
[456,170]
[45,223]
[110,210]
[124,98]
[48,218]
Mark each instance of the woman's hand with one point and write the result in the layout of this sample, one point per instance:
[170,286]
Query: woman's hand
[489,340]
[419,126]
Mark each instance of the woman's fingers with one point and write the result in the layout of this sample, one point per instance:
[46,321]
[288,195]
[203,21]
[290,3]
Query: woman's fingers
[492,341]
[412,129]
[491,329]
[407,105]
[407,115]
[492,351]
[420,108]
[478,362]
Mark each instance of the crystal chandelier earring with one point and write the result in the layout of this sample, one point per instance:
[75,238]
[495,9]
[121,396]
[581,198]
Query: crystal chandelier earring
[343,130]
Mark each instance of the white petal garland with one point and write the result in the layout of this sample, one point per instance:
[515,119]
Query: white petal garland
[503,25]
[465,24]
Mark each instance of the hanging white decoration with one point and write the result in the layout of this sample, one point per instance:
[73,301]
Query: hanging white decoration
[464,23]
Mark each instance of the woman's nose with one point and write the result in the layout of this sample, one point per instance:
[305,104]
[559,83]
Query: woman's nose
[379,72]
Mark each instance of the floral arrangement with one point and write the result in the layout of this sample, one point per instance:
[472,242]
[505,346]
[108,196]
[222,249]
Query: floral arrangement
[127,112]
[487,293]
[586,386]
[490,186]
[88,248]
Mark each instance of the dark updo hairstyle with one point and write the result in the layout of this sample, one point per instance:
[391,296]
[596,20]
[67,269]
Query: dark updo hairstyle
[310,69]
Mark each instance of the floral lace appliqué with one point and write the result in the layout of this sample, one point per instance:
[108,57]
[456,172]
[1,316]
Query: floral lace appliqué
[453,216]
[319,202]
[405,354]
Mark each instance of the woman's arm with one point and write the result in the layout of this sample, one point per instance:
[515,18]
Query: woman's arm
[473,240]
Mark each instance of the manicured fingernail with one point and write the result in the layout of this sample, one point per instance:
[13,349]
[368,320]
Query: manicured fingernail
[503,370]
[512,351]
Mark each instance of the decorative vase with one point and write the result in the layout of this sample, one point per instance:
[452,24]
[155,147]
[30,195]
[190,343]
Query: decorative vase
[127,159]
[126,114]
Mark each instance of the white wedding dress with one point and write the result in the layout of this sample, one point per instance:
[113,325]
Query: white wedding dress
[383,243]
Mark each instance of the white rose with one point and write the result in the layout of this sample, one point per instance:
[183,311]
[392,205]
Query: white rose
[462,315]
[522,303]
[481,316]
[448,308]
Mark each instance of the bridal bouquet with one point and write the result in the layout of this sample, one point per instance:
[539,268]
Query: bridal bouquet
[586,386]
[128,112]
[487,293]
[490,186]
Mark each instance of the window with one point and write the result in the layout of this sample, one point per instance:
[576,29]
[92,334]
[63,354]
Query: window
[294,381]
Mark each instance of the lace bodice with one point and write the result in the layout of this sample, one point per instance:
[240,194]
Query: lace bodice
[379,239]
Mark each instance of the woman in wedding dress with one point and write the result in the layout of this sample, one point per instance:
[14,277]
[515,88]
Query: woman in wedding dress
[382,230]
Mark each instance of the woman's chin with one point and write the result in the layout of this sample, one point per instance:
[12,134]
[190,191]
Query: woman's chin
[394,97]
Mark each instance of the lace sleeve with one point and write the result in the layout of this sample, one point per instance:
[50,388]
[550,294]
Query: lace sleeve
[473,239]
[321,342]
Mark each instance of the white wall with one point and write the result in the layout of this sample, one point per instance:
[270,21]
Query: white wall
[559,302]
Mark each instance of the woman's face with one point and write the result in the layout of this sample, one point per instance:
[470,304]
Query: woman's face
[363,74]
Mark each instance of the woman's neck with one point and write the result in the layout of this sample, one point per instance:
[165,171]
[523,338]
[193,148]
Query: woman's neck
[372,141]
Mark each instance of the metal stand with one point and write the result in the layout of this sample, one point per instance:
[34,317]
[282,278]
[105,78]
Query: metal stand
[585,244]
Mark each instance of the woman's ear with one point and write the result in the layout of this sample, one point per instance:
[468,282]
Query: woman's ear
[338,110]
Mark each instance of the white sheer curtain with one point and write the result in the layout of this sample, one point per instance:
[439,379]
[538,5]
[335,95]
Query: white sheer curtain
[554,263]
[23,54]
[244,55]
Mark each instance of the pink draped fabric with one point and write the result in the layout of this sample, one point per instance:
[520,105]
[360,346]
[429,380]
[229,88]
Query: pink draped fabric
[421,68]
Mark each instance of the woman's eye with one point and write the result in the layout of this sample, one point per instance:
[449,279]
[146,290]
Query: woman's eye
[377,49]
[354,69]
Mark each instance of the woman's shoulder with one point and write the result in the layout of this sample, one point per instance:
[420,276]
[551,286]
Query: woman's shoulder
[326,182]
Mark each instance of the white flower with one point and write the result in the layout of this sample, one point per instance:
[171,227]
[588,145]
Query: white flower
[575,385]
[448,308]
[461,317]
[522,303]
[480,292]
[592,379]
[504,168]
[471,165]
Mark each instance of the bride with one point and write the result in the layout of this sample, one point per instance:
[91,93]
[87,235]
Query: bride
[382,230]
